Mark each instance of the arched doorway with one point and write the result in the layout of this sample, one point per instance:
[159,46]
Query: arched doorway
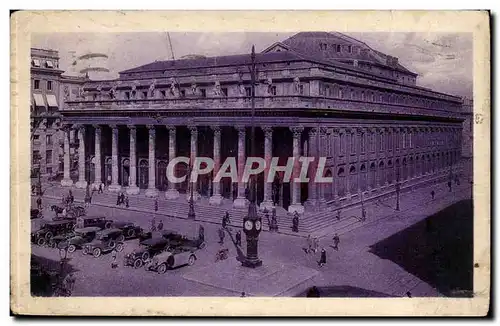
[143,173]
[353,180]
[125,172]
[161,176]
[381,173]
[373,171]
[362,175]
[341,189]
[108,170]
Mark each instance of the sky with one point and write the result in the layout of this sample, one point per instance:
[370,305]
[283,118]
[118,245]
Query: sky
[442,60]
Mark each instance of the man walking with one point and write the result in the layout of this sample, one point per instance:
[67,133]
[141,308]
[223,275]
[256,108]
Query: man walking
[295,222]
[363,214]
[338,214]
[322,259]
[274,223]
[114,264]
[160,226]
[126,202]
[100,191]
[201,233]
[238,238]
[336,241]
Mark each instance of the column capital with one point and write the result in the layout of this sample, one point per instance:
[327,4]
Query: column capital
[113,126]
[151,127]
[97,127]
[267,130]
[132,127]
[193,129]
[323,131]
[313,132]
[360,130]
[216,130]
[335,131]
[171,128]
[296,130]
[241,131]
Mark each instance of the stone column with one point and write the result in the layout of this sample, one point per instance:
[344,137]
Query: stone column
[216,198]
[132,188]
[267,203]
[312,201]
[151,191]
[335,137]
[172,192]
[114,187]
[97,156]
[194,153]
[241,201]
[81,183]
[66,181]
[359,134]
[296,206]
[323,133]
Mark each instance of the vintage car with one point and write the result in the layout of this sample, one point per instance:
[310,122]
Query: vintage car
[105,242]
[97,221]
[170,259]
[150,248]
[50,229]
[73,212]
[129,229]
[36,213]
[81,237]
[61,238]
[176,240]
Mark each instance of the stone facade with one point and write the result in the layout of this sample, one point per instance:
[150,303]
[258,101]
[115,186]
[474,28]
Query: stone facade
[375,129]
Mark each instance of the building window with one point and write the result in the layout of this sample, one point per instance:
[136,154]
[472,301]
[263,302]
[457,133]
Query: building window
[36,84]
[301,89]
[339,48]
[349,48]
[248,91]
[341,93]
[35,158]
[127,95]
[48,157]
[396,138]
[352,94]
[382,142]
[48,139]
[36,137]
[353,143]
[48,170]
[163,94]
[362,142]
[371,143]
[342,144]
[273,90]
[362,96]
[203,92]
[48,64]
[35,62]
[224,91]
[183,92]
[144,95]
[49,85]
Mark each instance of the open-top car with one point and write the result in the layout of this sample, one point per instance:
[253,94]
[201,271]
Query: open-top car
[97,221]
[129,229]
[51,229]
[150,248]
[81,237]
[171,259]
[105,242]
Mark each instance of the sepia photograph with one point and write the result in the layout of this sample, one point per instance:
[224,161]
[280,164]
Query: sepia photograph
[307,163]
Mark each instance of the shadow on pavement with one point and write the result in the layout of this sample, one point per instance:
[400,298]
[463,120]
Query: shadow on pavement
[438,250]
[343,291]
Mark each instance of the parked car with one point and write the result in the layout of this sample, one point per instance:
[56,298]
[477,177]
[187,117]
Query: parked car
[170,259]
[176,240]
[150,248]
[61,238]
[97,221]
[129,229]
[105,242]
[50,229]
[81,237]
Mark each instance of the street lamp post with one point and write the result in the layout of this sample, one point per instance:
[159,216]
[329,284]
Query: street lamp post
[252,223]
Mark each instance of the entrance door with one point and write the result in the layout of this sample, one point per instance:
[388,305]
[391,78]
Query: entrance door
[125,172]
[162,175]
[143,174]
[107,171]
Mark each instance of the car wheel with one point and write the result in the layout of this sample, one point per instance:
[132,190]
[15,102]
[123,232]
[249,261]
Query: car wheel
[119,247]
[137,263]
[107,225]
[191,260]
[145,256]
[48,235]
[71,248]
[120,238]
[96,252]
[40,241]
[52,244]
[162,268]
[111,244]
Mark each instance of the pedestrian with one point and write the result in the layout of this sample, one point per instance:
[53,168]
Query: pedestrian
[322,259]
[109,180]
[269,223]
[338,214]
[201,233]
[449,185]
[99,191]
[308,247]
[363,214]
[243,294]
[295,222]
[70,193]
[274,223]
[156,204]
[118,200]
[315,245]
[153,224]
[433,194]
[160,226]
[39,203]
[63,200]
[224,221]
[114,264]
[238,238]
[336,241]
[221,236]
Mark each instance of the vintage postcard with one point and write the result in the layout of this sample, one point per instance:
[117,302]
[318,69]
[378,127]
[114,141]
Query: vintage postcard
[250,163]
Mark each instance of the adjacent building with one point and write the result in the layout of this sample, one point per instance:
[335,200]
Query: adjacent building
[318,94]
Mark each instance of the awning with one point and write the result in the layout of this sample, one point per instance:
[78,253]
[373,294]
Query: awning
[52,101]
[49,64]
[39,100]
[36,62]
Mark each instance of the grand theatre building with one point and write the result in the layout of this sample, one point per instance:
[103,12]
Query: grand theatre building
[318,94]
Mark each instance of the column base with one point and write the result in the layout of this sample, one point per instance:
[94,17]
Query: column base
[172,194]
[196,196]
[114,188]
[66,182]
[133,190]
[81,184]
[296,208]
[267,204]
[240,203]
[151,192]
[215,200]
